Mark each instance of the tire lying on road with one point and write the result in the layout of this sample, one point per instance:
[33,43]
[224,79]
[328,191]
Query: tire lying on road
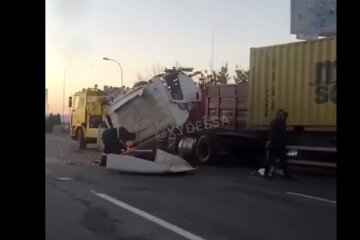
[204,149]
[196,150]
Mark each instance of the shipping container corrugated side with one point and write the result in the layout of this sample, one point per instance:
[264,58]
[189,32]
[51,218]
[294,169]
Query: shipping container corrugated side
[298,77]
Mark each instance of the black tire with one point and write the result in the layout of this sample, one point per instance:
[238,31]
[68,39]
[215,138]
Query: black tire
[81,139]
[185,148]
[204,150]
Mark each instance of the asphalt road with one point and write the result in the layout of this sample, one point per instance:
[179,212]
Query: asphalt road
[84,201]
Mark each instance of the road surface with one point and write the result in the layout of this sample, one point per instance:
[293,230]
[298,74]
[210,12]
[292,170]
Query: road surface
[84,201]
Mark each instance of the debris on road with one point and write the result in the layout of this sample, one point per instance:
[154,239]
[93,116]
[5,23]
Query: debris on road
[164,163]
[64,179]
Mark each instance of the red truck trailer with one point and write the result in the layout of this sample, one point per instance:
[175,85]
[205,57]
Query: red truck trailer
[299,77]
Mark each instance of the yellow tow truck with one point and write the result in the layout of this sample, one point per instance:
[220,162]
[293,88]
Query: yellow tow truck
[87,111]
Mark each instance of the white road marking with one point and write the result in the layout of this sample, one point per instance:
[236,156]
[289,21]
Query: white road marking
[312,197]
[64,179]
[149,217]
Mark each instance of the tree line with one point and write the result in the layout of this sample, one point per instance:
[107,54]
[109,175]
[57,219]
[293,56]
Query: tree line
[51,121]
[223,76]
[209,77]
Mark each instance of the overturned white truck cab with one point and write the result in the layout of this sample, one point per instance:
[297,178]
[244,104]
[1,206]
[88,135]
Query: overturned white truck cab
[149,111]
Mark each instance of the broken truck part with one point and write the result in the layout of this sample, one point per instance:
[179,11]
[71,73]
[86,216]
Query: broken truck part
[167,112]
[163,103]
[164,163]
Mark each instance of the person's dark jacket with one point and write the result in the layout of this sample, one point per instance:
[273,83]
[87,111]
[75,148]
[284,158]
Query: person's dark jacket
[114,139]
[277,136]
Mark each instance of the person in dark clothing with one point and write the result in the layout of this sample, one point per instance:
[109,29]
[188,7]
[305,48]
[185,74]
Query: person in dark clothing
[276,145]
[114,141]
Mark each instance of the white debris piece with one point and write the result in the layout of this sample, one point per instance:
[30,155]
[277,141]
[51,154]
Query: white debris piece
[164,163]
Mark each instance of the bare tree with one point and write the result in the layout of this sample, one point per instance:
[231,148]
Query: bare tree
[241,76]
[139,76]
[213,78]
[148,73]
[223,76]
[158,69]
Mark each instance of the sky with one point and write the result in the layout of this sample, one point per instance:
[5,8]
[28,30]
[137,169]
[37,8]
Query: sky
[143,34]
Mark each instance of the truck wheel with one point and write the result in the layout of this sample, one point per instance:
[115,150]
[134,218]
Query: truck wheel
[186,149]
[81,139]
[203,149]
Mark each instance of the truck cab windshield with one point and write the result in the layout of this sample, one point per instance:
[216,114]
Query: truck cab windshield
[173,85]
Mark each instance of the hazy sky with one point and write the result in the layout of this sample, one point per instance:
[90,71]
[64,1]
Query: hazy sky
[141,34]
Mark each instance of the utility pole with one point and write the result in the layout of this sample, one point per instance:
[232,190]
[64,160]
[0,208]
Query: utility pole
[212,51]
